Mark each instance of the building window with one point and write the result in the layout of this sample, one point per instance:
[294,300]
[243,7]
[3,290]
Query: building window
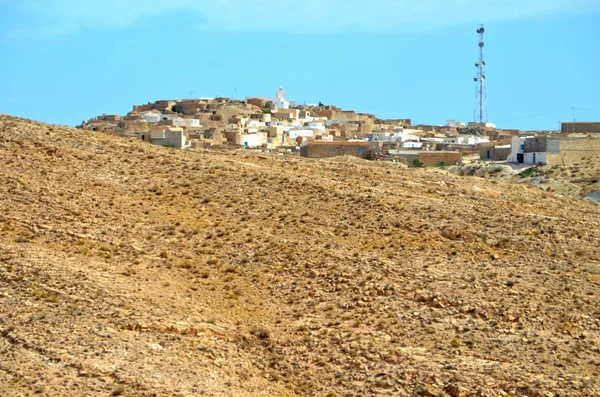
[361,150]
[331,149]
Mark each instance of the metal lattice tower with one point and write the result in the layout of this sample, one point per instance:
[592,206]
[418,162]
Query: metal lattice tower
[480,114]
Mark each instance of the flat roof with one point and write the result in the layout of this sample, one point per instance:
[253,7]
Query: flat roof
[339,143]
[422,151]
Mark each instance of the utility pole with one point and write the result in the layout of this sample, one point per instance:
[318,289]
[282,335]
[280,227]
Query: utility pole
[573,119]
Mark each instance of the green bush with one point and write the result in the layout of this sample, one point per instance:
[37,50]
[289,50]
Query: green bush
[417,163]
[529,172]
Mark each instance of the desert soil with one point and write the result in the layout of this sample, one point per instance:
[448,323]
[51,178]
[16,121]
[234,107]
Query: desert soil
[130,269]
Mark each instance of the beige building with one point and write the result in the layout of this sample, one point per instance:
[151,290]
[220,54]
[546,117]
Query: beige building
[168,136]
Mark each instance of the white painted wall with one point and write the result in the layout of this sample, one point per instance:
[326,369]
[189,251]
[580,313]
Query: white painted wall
[317,125]
[180,122]
[517,147]
[251,140]
[384,137]
[465,140]
[152,117]
[412,145]
[281,104]
[295,133]
[256,124]
[280,99]
[535,158]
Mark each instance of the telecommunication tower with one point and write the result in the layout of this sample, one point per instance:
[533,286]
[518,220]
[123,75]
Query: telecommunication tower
[480,114]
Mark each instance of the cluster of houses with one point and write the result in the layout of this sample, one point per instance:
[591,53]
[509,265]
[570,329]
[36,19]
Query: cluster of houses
[275,124]
[574,143]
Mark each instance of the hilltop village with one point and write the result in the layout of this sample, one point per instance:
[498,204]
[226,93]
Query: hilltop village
[276,125]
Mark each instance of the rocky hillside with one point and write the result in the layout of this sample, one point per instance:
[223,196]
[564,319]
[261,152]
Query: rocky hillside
[143,271]
[581,180]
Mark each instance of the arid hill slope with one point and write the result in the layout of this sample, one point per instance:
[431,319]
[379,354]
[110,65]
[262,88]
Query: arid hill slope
[139,270]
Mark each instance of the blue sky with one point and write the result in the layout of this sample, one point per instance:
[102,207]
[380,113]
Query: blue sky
[63,61]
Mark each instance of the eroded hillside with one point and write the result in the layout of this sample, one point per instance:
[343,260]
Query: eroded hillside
[131,269]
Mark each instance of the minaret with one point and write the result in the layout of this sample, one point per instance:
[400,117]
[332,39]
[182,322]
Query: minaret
[281,96]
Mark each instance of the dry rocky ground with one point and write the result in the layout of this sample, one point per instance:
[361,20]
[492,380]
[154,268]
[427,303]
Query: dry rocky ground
[580,180]
[136,270]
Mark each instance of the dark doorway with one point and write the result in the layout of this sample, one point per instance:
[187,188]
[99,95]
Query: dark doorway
[520,158]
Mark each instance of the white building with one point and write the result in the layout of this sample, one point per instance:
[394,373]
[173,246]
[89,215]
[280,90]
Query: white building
[297,132]
[465,140]
[317,125]
[519,154]
[180,122]
[251,140]
[168,136]
[387,136]
[412,145]
[280,99]
[152,117]
[256,124]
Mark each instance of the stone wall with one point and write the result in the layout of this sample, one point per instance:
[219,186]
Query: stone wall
[407,158]
[163,105]
[133,126]
[574,150]
[580,127]
[495,154]
[143,108]
[536,145]
[261,103]
[329,113]
[433,159]
[319,149]
[347,116]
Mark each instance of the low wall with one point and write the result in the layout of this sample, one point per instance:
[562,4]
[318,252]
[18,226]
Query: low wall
[568,128]
[575,150]
[324,150]
[495,154]
[433,159]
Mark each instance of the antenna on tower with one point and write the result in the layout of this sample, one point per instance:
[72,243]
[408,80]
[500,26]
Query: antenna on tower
[480,113]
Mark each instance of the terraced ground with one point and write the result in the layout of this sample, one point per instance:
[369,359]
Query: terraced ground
[136,270]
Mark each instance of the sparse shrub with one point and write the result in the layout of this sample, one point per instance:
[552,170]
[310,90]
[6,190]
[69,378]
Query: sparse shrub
[261,332]
[230,269]
[186,265]
[417,163]
[119,390]
[529,172]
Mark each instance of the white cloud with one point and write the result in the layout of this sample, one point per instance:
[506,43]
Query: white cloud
[308,16]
